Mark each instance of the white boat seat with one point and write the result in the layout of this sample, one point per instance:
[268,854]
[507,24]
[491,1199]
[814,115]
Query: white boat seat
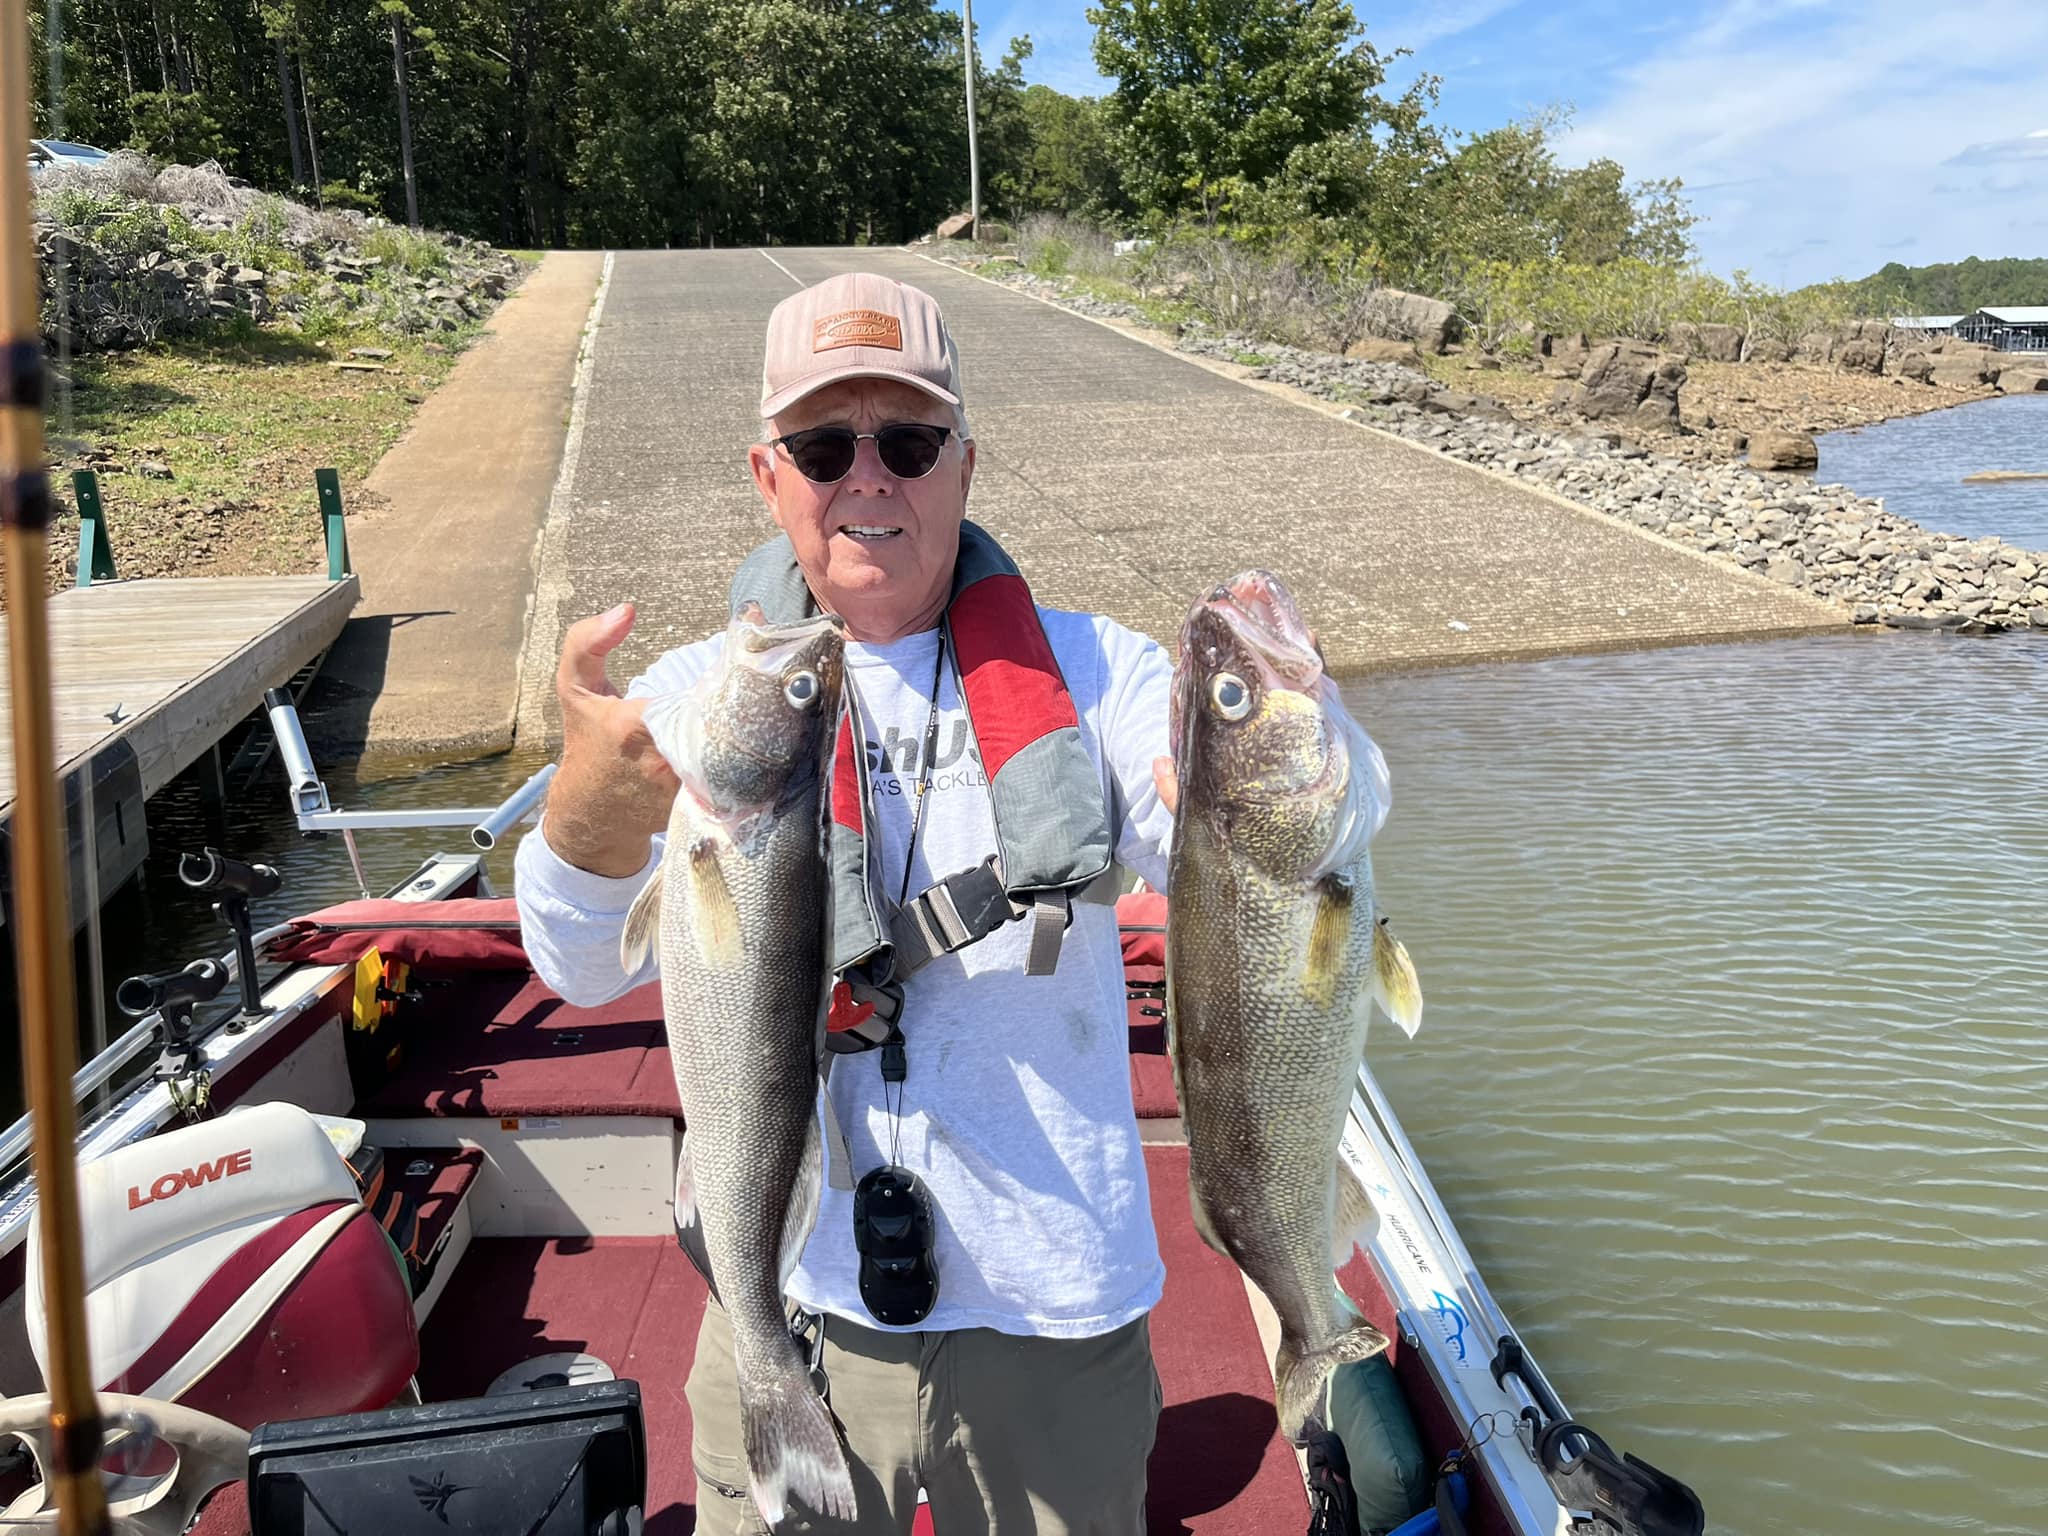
[230,1266]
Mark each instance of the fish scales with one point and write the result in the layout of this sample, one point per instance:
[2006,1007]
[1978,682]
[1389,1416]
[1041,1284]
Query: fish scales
[1269,963]
[739,914]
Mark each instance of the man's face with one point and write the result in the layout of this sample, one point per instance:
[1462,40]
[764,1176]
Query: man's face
[876,550]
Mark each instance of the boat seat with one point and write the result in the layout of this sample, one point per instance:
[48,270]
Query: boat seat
[505,1045]
[231,1267]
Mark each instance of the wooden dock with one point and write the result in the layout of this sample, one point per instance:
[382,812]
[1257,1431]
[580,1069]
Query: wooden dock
[151,673]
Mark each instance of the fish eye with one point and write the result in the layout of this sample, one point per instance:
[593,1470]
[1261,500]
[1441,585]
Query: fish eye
[801,689]
[1229,697]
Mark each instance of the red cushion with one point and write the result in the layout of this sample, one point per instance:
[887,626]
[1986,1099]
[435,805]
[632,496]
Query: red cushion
[461,935]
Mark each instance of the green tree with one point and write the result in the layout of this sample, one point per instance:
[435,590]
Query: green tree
[1214,95]
[1070,166]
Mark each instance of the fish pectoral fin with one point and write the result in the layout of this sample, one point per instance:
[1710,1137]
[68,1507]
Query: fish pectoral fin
[717,918]
[643,922]
[1395,987]
[1328,935]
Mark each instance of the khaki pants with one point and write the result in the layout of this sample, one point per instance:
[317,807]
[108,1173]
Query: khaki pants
[1006,1435]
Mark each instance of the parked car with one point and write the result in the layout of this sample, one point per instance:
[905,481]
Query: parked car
[44,153]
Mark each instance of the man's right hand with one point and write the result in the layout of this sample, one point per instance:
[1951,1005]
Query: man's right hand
[614,789]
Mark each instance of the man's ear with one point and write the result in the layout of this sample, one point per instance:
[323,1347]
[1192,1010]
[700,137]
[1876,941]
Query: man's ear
[966,466]
[761,460]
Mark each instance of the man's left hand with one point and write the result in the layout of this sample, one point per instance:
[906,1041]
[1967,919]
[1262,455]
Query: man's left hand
[1167,782]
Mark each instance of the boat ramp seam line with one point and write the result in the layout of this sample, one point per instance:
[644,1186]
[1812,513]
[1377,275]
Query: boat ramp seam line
[551,551]
[778,266]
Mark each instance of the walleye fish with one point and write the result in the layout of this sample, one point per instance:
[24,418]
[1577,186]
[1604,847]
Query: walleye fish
[740,911]
[1270,962]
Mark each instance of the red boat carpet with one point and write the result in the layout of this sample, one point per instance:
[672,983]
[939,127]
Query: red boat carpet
[1219,1467]
[504,1044]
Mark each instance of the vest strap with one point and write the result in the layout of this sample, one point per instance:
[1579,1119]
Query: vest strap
[965,908]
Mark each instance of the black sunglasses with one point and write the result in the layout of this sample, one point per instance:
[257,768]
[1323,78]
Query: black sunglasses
[909,450]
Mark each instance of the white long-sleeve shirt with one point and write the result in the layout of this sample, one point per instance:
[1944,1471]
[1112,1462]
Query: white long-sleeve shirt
[1017,1110]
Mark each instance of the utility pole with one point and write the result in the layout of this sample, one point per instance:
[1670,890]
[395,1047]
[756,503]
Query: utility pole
[412,200]
[973,149]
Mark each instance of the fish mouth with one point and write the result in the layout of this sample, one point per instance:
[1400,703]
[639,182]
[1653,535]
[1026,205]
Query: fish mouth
[1263,615]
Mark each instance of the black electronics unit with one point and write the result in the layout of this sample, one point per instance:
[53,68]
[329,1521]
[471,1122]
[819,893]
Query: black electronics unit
[559,1461]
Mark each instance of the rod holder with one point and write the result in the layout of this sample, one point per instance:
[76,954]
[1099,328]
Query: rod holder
[309,795]
[520,804]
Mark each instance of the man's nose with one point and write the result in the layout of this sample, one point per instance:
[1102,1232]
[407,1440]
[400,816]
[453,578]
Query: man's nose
[868,477]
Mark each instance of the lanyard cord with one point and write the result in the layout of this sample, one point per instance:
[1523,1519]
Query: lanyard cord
[924,778]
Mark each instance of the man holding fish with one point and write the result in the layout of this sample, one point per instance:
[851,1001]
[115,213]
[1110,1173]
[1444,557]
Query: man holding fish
[883,810]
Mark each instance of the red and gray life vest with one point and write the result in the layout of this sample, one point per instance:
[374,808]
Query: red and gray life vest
[1052,828]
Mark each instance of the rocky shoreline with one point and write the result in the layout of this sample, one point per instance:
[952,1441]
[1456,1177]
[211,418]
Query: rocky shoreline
[1822,539]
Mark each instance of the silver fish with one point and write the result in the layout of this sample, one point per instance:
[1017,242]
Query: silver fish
[740,909]
[1269,962]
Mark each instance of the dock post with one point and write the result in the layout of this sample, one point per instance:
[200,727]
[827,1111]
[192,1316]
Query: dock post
[95,544]
[329,484]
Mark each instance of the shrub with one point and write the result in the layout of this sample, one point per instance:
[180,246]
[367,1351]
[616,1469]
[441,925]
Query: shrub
[400,250]
[1051,244]
[339,194]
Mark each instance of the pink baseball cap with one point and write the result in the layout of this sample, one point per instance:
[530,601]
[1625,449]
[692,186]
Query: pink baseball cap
[857,326]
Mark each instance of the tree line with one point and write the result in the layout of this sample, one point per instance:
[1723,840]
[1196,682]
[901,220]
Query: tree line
[712,122]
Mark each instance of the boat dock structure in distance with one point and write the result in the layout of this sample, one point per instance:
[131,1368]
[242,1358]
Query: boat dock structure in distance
[150,674]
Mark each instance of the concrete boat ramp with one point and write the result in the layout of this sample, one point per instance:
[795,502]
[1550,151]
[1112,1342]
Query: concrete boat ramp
[1125,478]
[149,675]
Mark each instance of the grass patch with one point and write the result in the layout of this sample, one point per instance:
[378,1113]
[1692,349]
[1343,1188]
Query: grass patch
[1251,359]
[241,422]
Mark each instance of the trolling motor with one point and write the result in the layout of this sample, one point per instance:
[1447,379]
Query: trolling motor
[1624,1494]
[238,884]
[173,995]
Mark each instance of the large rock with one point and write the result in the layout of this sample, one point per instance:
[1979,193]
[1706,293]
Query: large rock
[1715,343]
[1767,350]
[1817,347]
[954,228]
[1773,449]
[1962,370]
[1378,349]
[1914,366]
[1430,323]
[2023,378]
[1626,380]
[1861,356]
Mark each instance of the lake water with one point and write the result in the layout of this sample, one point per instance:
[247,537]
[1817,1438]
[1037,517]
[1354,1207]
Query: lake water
[1917,464]
[1735,1065]
[1735,1069]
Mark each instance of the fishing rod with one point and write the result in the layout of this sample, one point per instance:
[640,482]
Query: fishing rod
[42,912]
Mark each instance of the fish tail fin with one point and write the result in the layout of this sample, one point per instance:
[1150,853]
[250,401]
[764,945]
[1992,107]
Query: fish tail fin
[793,1449]
[1299,1374]
[1395,986]
[643,922]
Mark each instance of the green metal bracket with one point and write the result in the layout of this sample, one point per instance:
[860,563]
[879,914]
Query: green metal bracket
[95,544]
[329,484]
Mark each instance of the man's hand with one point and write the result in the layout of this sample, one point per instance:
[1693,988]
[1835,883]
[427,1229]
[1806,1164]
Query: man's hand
[615,789]
[1167,782]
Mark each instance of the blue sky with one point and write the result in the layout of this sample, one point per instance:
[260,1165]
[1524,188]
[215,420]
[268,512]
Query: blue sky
[1820,138]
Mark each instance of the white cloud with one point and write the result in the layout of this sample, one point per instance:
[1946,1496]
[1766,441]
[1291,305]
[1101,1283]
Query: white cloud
[1419,23]
[1844,124]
